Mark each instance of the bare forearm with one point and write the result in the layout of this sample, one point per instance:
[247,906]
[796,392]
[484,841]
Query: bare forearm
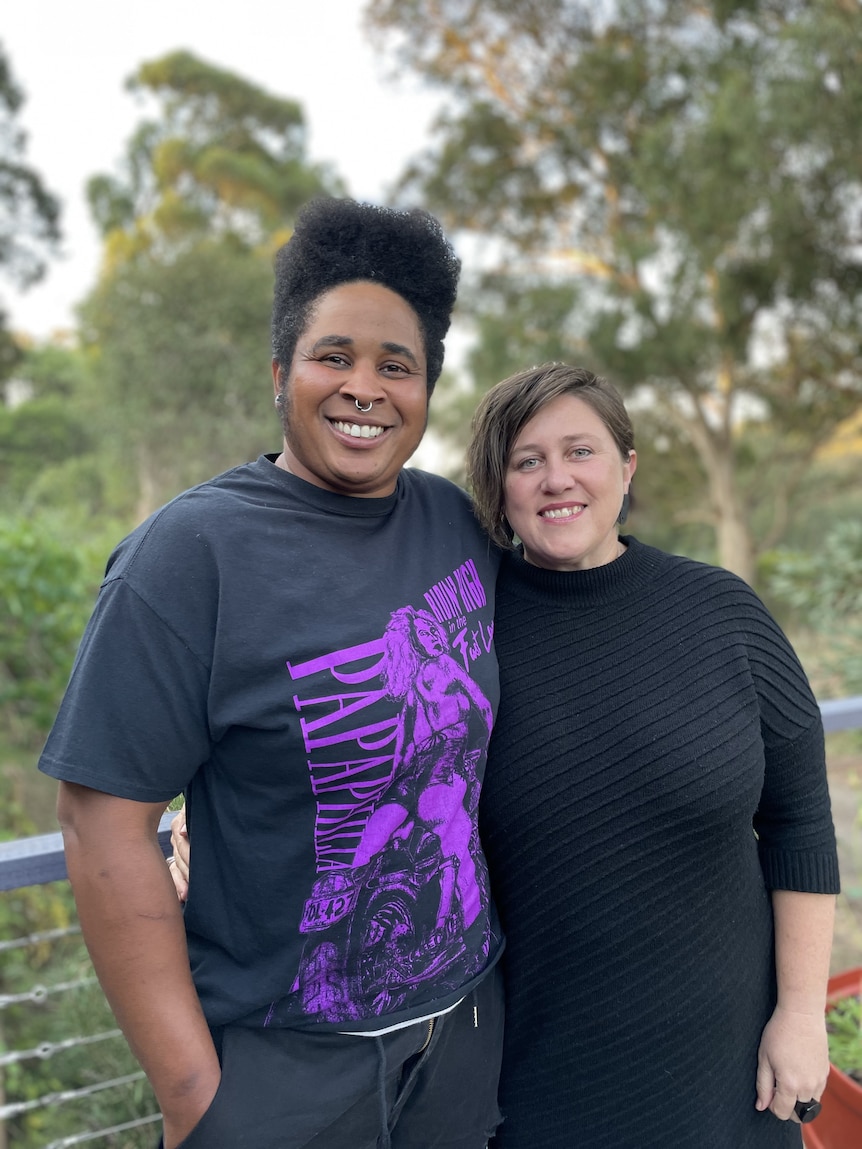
[803,944]
[133,927]
[793,1060]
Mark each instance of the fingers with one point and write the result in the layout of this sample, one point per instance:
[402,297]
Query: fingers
[182,852]
[179,862]
[783,1101]
[180,843]
[178,826]
[792,1065]
[180,883]
[765,1083]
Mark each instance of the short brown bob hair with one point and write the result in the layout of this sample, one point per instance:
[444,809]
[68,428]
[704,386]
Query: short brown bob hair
[506,409]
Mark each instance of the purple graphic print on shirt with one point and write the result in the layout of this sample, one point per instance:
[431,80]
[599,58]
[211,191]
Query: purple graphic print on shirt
[394,767]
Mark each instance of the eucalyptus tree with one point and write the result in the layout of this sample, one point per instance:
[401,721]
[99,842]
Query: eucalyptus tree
[29,212]
[689,172]
[178,324]
[221,156]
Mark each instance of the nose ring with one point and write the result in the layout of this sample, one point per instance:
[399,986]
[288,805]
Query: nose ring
[364,410]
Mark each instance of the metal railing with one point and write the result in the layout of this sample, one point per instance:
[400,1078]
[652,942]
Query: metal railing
[67,1076]
[31,861]
[34,862]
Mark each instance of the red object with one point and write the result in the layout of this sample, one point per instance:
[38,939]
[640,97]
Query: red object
[839,1125]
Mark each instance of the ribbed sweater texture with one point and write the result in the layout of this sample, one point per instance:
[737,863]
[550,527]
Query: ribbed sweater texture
[657,767]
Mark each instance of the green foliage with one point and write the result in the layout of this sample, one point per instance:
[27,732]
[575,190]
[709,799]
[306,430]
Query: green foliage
[50,1018]
[177,330]
[54,1018]
[47,587]
[688,167]
[63,1017]
[33,434]
[23,912]
[50,456]
[668,491]
[223,157]
[517,322]
[29,213]
[824,588]
[830,496]
[29,220]
[844,1029]
[52,369]
[181,360]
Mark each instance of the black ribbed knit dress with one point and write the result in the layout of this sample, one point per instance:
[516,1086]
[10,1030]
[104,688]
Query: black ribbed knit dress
[652,718]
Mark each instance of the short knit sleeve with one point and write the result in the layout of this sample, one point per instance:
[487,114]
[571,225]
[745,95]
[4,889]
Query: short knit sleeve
[793,821]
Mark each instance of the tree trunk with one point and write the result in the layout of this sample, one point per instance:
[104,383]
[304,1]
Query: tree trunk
[714,448]
[734,545]
[732,533]
[147,485]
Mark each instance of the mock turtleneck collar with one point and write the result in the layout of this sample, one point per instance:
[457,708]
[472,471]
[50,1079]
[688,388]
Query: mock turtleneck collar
[628,574]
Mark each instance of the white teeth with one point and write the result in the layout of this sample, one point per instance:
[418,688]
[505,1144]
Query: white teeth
[561,513]
[357,431]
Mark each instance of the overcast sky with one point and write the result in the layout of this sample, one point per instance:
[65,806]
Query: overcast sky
[72,59]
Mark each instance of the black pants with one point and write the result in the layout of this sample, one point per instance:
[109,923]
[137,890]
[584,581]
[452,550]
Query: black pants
[432,1085]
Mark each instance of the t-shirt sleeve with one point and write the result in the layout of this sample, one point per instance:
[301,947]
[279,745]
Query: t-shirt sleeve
[133,722]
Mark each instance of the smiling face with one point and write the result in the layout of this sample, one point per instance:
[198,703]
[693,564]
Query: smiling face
[564,487]
[362,345]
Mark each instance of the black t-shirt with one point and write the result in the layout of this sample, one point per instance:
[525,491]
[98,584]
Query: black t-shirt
[316,673]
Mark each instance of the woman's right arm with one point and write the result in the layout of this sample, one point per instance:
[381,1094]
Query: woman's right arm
[133,927]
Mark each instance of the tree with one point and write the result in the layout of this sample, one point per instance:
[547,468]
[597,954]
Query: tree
[46,431]
[825,590]
[29,213]
[688,172]
[180,356]
[47,587]
[178,326]
[223,157]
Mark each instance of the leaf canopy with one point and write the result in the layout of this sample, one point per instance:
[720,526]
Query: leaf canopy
[693,168]
[224,156]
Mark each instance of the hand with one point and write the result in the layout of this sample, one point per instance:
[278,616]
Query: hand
[179,863]
[792,1062]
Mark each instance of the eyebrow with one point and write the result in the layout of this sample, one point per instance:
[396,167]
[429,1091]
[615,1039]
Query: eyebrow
[586,436]
[346,341]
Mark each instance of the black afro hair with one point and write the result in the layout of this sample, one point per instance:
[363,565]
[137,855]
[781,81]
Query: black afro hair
[341,241]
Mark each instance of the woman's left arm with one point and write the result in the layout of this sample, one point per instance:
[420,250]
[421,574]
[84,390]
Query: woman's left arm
[793,1061]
